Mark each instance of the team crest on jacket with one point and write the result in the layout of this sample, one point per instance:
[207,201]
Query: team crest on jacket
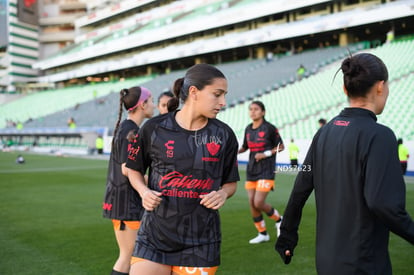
[262,134]
[213,148]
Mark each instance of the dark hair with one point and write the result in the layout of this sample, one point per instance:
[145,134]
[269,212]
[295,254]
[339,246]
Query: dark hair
[399,141]
[322,121]
[260,104]
[127,98]
[199,75]
[166,93]
[361,72]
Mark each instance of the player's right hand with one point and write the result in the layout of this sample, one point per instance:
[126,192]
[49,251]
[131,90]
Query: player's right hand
[151,199]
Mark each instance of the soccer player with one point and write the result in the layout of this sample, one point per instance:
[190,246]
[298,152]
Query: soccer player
[264,142]
[403,155]
[122,203]
[293,153]
[192,161]
[353,168]
[163,99]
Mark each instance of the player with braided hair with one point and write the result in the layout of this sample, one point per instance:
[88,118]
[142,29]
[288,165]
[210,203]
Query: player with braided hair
[122,203]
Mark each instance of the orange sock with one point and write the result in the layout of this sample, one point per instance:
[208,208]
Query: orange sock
[260,224]
[274,215]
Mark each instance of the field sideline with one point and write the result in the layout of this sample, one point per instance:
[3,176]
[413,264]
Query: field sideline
[51,223]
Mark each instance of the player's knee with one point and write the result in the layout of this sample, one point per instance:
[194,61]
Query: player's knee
[258,204]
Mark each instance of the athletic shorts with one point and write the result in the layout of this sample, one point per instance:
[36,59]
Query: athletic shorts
[260,185]
[184,270]
[120,225]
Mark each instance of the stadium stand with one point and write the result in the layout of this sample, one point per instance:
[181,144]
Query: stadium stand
[155,46]
[297,107]
[247,79]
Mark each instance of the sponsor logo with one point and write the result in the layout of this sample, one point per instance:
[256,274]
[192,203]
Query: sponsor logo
[205,139]
[29,3]
[170,148]
[175,184]
[341,123]
[210,159]
[178,180]
[107,206]
[213,148]
[132,152]
[256,146]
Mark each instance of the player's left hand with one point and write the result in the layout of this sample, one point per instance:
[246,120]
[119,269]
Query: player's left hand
[259,156]
[214,199]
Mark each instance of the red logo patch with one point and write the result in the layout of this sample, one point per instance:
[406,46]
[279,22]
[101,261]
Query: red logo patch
[261,134]
[29,3]
[170,148]
[213,148]
[341,123]
[107,206]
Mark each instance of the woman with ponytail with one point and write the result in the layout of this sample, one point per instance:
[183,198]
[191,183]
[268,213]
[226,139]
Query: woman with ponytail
[353,167]
[192,161]
[122,203]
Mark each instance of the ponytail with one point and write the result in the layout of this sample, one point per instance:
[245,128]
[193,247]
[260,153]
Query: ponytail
[122,94]
[174,102]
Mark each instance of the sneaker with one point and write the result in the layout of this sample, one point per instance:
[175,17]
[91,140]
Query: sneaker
[260,239]
[277,225]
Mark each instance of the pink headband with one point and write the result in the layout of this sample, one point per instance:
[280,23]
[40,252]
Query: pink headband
[145,94]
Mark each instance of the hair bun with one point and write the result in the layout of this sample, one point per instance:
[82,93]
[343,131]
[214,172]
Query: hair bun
[351,67]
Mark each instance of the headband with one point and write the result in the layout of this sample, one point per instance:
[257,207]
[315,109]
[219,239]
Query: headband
[145,94]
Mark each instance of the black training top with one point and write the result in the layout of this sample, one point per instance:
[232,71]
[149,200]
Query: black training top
[121,201]
[359,192]
[182,165]
[265,137]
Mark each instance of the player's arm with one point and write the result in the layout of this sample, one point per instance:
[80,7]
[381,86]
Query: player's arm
[384,190]
[216,199]
[302,189]
[137,164]
[150,198]
[124,169]
[244,146]
[269,153]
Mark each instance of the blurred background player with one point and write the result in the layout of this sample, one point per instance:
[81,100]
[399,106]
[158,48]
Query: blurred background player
[163,99]
[99,144]
[71,123]
[354,169]
[403,155]
[264,142]
[293,153]
[192,158]
[321,122]
[122,203]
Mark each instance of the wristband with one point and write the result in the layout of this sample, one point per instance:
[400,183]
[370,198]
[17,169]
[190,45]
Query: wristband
[268,153]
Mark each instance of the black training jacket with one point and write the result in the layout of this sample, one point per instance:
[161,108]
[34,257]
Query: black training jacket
[353,167]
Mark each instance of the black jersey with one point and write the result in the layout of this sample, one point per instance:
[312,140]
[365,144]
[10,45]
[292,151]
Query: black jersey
[353,167]
[265,137]
[121,201]
[182,165]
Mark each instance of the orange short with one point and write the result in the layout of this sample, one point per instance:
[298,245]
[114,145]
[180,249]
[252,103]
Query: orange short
[184,270]
[120,225]
[260,185]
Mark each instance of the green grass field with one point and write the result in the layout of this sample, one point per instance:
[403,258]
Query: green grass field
[51,223]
